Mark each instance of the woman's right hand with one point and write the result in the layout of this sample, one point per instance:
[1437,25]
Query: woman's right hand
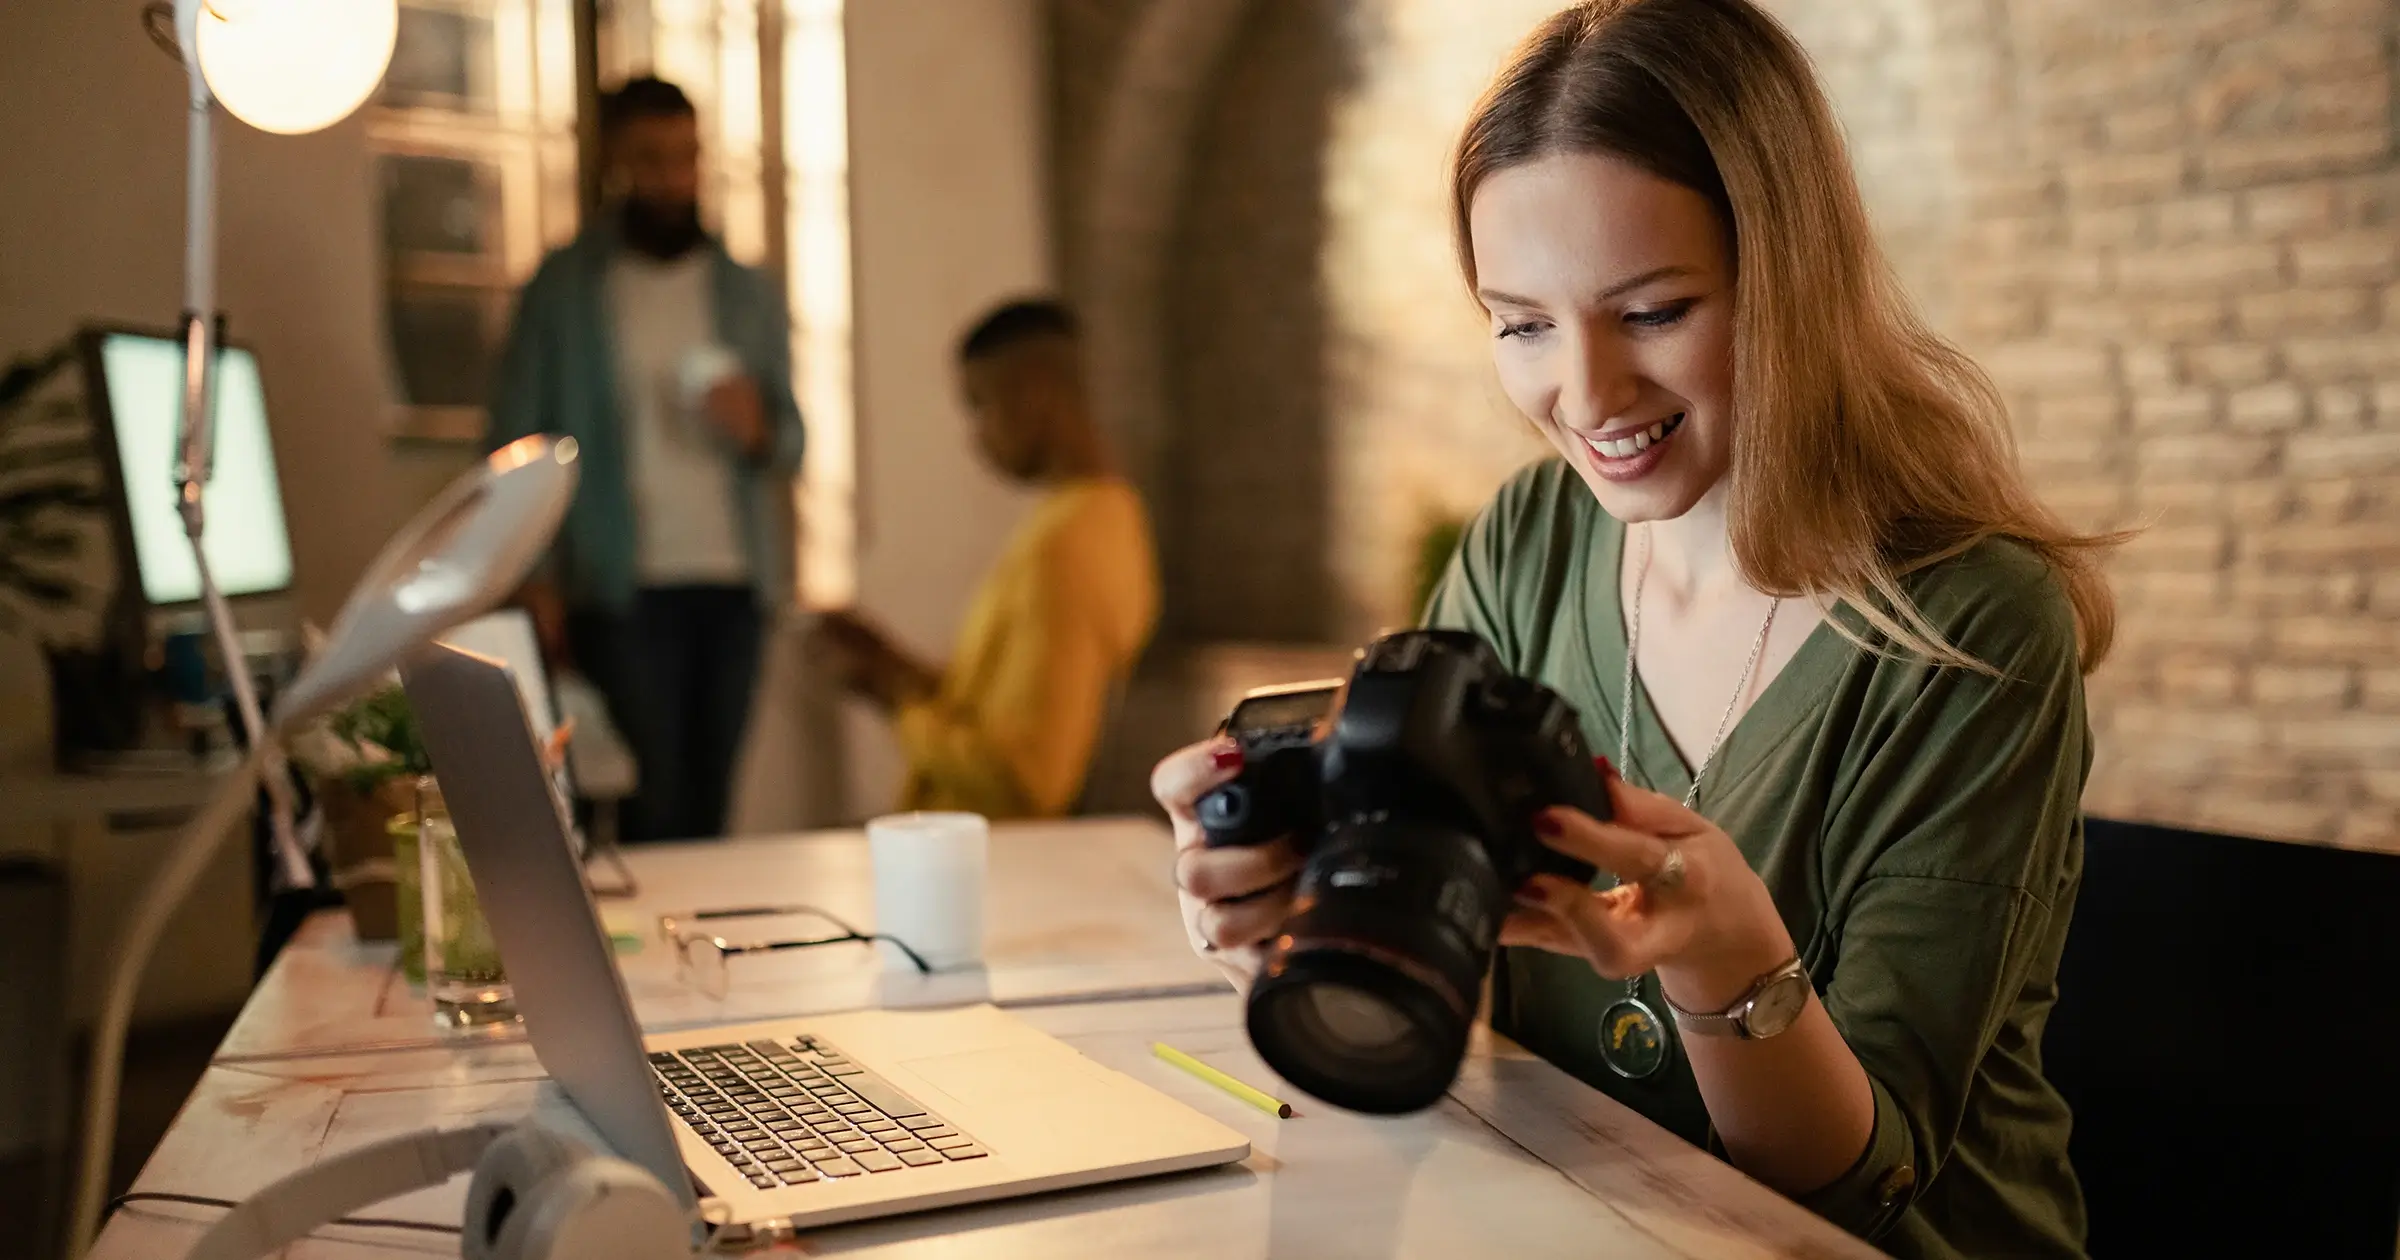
[1233,898]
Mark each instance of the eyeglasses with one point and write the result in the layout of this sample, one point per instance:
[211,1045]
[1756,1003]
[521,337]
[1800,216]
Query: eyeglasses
[702,958]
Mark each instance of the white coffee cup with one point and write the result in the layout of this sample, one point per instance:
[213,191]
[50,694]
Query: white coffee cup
[929,877]
[703,367]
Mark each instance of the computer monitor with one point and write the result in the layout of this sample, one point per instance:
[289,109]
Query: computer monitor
[136,389]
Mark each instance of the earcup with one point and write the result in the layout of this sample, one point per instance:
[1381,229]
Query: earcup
[538,1195]
[605,1208]
[506,1181]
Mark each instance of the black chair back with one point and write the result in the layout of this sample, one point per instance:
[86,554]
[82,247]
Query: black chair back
[2228,1033]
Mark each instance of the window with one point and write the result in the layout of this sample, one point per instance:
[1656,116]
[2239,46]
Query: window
[768,79]
[816,146]
[474,140]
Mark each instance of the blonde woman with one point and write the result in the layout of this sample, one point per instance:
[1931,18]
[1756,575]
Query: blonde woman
[1785,566]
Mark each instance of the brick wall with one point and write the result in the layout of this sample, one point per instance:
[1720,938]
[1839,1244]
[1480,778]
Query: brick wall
[1420,428]
[1088,48]
[1130,90]
[2168,230]
[1248,454]
[2171,229]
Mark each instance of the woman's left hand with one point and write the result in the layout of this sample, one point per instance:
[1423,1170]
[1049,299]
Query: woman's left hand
[1709,929]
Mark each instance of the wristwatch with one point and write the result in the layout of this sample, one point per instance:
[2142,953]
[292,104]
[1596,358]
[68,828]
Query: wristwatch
[1771,1005]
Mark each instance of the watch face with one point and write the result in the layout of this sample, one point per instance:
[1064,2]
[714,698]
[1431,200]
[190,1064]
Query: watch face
[1777,1005]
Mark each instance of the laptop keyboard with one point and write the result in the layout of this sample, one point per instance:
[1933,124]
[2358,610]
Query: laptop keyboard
[785,1113]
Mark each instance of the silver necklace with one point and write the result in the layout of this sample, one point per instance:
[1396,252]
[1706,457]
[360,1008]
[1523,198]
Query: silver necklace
[1633,646]
[1633,1039]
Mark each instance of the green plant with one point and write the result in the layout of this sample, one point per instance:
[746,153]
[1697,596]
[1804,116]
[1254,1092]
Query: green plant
[1436,544]
[50,496]
[381,732]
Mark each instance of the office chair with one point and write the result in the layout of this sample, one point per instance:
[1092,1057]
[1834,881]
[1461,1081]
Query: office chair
[2228,1034]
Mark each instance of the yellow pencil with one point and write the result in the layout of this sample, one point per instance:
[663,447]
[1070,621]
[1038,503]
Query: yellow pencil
[1281,1110]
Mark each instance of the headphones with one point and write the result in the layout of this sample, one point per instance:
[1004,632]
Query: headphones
[537,1195]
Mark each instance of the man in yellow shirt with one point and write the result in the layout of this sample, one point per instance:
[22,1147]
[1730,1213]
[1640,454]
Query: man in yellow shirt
[1007,729]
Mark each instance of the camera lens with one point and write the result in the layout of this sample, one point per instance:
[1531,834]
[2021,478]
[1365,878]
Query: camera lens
[1326,1027]
[1366,999]
[1361,1024]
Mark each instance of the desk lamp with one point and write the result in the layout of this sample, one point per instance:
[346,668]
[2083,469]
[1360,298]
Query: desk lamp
[286,66]
[462,555]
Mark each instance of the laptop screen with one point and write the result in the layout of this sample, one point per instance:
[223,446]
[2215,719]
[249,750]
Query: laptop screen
[512,828]
[508,636]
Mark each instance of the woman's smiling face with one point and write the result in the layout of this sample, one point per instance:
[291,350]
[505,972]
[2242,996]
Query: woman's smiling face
[1611,300]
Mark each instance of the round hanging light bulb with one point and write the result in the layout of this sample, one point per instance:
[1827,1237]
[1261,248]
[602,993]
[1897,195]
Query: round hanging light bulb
[290,66]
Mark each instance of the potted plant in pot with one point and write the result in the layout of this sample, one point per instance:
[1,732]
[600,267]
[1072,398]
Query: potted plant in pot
[395,855]
[364,763]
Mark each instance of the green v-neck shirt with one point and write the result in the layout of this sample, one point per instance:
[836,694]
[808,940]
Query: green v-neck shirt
[1919,827]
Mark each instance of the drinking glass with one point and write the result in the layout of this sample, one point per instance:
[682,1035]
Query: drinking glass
[445,943]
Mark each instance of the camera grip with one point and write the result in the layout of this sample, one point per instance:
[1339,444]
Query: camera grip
[1580,785]
[1552,862]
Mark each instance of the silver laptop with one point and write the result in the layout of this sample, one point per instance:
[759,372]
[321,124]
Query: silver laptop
[507,635]
[810,1120]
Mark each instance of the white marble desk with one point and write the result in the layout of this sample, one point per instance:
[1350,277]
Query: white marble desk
[1521,1162]
[1073,910]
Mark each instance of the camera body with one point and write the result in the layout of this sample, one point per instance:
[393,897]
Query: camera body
[1411,794]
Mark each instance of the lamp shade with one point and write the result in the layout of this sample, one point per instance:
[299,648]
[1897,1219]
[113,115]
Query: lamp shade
[291,66]
[464,553]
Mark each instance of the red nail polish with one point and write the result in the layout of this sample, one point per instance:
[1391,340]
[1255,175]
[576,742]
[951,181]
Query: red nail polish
[1548,826]
[1607,769]
[1227,758]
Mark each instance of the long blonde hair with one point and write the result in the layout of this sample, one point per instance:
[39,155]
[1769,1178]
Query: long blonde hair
[1865,446]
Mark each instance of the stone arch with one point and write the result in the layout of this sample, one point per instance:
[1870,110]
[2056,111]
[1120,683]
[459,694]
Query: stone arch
[1125,215]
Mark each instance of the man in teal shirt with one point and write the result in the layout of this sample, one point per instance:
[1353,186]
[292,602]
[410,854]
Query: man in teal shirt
[670,364]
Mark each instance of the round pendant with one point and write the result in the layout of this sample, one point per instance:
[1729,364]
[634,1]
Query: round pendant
[1633,1041]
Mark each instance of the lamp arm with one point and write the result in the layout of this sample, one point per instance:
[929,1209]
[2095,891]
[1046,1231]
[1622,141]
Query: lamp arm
[200,189]
[193,851]
[194,455]
[265,742]
[195,445]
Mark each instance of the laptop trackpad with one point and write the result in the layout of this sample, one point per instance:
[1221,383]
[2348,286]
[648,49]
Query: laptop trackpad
[988,1076]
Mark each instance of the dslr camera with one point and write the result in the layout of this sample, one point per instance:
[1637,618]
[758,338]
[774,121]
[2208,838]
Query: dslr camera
[1411,793]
